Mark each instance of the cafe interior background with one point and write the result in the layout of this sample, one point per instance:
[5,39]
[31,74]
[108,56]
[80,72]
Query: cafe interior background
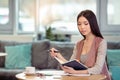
[55,20]
[33,20]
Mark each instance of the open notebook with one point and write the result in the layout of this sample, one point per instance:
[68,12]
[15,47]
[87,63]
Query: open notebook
[73,63]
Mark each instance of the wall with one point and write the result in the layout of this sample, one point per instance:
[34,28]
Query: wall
[19,38]
[116,38]
[30,38]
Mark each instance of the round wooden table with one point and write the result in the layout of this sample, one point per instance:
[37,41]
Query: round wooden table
[23,76]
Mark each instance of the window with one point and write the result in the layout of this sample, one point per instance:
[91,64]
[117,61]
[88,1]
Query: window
[60,14]
[29,16]
[26,21]
[4,12]
[4,15]
[109,12]
[17,16]
[113,12]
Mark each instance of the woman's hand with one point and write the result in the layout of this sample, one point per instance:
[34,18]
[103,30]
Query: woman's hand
[73,71]
[56,54]
[68,69]
[53,52]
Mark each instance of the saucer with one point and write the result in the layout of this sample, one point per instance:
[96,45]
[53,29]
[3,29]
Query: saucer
[29,74]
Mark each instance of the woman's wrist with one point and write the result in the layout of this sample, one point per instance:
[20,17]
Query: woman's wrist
[58,55]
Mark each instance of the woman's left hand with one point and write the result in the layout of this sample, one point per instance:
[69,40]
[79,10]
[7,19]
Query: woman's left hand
[68,69]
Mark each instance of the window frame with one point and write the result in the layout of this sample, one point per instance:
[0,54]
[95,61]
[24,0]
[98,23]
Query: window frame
[12,26]
[9,28]
[105,27]
[5,28]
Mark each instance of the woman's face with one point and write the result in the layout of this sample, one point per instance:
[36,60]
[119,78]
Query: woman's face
[84,26]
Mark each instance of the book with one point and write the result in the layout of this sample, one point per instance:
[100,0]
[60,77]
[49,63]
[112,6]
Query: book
[73,63]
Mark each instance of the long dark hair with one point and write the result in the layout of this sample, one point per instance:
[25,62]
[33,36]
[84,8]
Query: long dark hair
[90,16]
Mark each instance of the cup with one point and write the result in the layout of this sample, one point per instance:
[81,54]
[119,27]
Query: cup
[30,70]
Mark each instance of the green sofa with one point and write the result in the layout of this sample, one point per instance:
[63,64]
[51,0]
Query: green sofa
[113,59]
[40,58]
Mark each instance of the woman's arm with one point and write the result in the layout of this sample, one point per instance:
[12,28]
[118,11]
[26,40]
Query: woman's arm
[57,55]
[98,65]
[74,53]
[71,70]
[97,68]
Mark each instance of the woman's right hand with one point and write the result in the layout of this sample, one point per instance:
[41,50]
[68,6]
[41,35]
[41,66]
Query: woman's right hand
[56,54]
[53,52]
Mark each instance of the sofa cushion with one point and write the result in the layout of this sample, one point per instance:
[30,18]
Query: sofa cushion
[113,45]
[19,56]
[113,57]
[65,48]
[40,54]
[115,70]
[2,49]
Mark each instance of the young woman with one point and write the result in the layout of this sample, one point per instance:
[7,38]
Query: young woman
[91,50]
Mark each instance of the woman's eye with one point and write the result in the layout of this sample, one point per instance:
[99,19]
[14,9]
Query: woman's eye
[78,24]
[86,23]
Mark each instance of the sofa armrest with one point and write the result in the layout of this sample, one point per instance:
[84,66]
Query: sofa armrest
[115,72]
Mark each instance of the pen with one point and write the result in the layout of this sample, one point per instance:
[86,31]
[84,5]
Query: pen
[42,74]
[56,51]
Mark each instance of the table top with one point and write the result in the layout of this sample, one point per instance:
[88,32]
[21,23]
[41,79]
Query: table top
[3,54]
[56,75]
